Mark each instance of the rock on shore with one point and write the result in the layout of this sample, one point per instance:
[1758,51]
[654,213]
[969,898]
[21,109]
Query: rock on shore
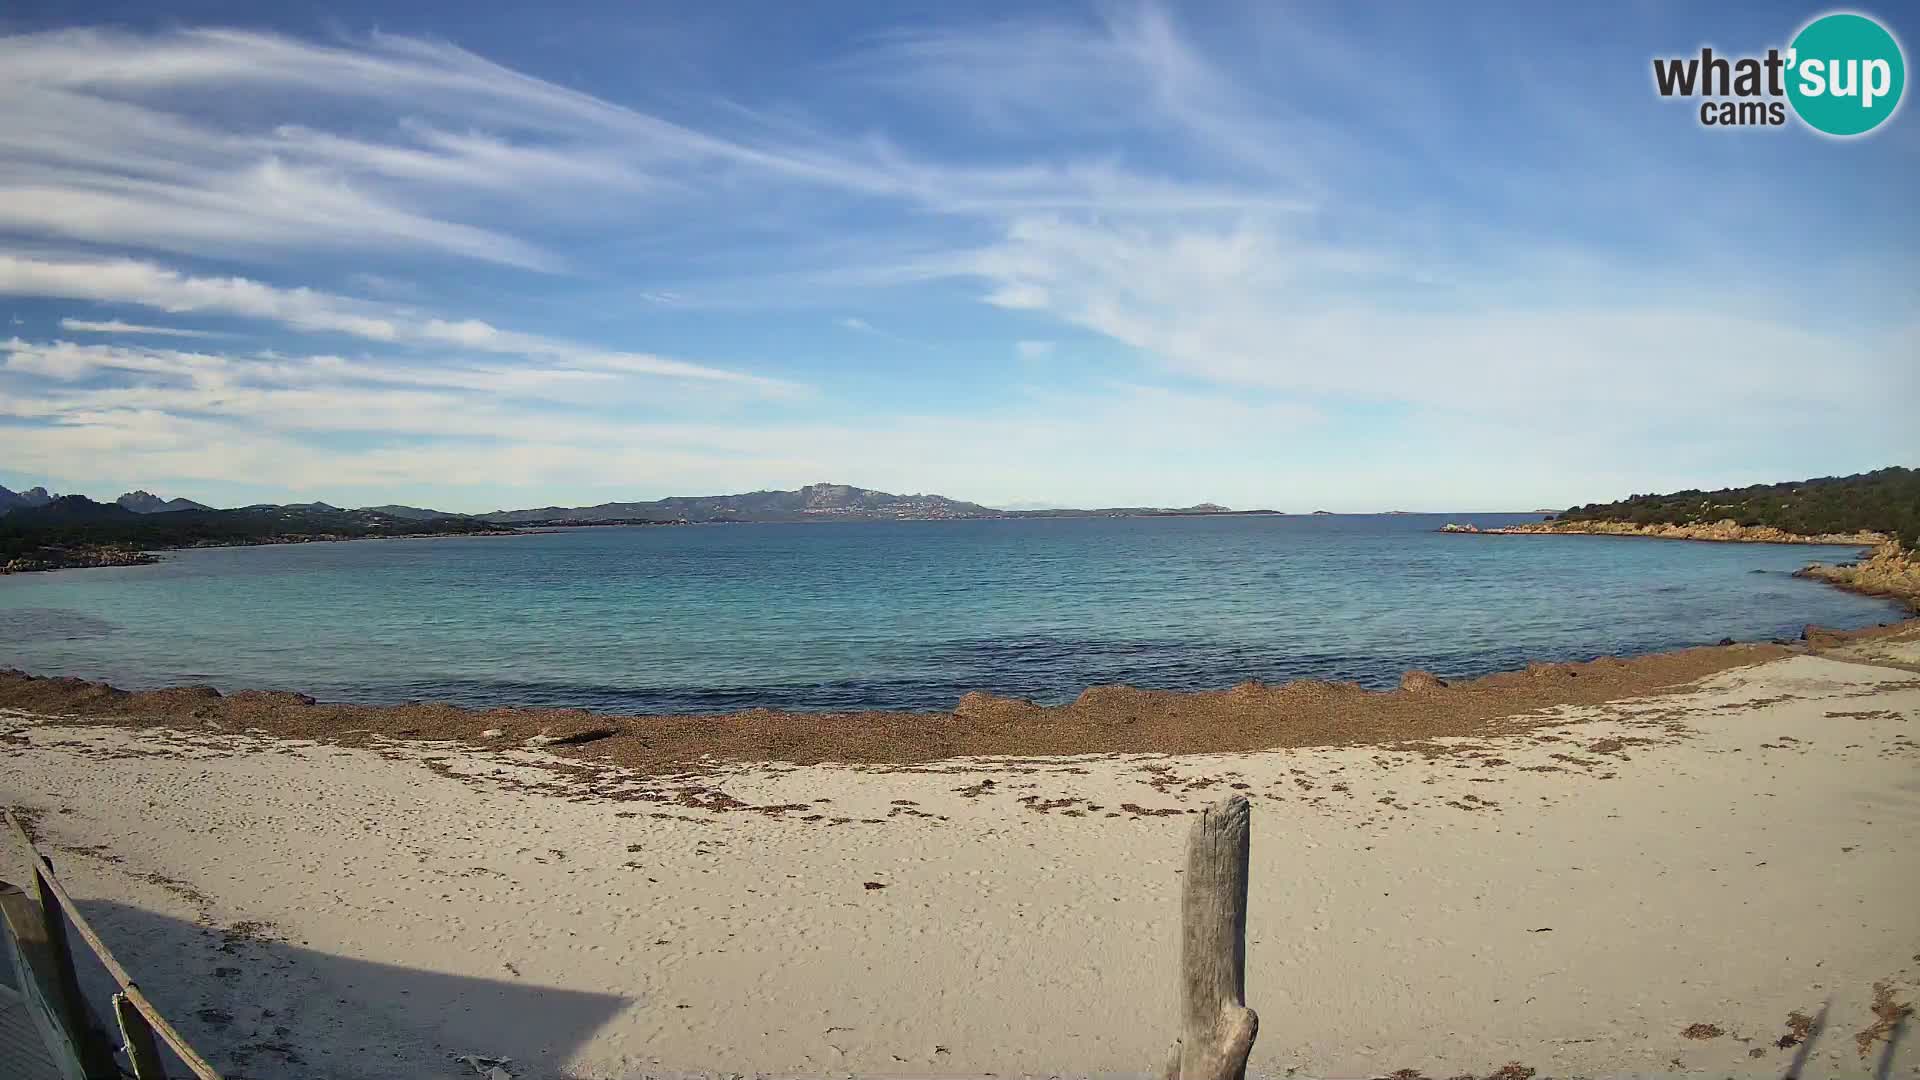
[1728,531]
[1890,572]
[65,558]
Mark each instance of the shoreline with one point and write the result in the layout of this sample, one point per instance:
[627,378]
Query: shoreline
[355,912]
[94,556]
[1887,572]
[1719,532]
[1247,718]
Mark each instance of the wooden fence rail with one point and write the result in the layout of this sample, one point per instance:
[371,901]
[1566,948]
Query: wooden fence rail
[142,1028]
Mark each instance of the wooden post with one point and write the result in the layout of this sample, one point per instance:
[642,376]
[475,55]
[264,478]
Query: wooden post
[1216,1027]
[141,1049]
[96,1059]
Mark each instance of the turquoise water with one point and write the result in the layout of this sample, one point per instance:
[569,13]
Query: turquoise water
[905,615]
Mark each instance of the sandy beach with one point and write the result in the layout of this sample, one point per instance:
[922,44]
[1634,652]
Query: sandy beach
[1680,882]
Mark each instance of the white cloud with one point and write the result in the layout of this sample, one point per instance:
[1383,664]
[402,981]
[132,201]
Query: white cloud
[128,281]
[99,147]
[182,419]
[116,326]
[261,207]
[131,281]
[1251,304]
[1272,263]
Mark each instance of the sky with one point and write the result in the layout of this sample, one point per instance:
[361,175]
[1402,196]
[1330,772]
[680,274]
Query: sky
[1318,256]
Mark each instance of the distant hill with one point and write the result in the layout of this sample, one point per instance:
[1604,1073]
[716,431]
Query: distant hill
[811,503]
[68,508]
[1197,510]
[76,523]
[320,507]
[411,513]
[1885,500]
[146,502]
[816,502]
[33,496]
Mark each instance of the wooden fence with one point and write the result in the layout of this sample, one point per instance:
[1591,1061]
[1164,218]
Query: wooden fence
[1216,1027]
[43,959]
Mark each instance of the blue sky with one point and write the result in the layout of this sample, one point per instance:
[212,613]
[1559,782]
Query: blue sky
[1356,257]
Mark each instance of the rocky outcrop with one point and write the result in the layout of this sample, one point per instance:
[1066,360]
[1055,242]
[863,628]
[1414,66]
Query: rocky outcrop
[67,558]
[33,496]
[1728,531]
[1890,572]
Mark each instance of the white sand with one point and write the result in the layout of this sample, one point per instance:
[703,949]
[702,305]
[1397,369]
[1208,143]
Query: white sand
[309,910]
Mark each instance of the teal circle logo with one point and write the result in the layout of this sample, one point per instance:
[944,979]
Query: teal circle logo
[1845,73]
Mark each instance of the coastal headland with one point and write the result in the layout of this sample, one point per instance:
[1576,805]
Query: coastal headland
[1728,531]
[1879,509]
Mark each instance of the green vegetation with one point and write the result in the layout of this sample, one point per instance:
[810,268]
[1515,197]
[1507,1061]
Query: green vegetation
[1885,500]
[76,524]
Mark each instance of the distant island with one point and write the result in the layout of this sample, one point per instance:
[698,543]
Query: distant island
[814,502]
[40,530]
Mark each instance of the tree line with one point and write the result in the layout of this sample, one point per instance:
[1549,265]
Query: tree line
[77,522]
[1885,500]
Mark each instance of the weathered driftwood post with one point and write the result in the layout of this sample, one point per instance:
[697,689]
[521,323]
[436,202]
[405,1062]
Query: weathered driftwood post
[1217,1028]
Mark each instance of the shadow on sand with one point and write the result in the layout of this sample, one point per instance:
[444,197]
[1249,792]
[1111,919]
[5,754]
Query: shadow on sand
[263,1008]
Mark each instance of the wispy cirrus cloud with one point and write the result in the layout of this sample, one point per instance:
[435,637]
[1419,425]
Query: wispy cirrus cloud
[98,146]
[1395,259]
[130,281]
[196,418]
[117,326]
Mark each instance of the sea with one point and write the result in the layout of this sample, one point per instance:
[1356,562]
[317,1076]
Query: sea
[902,614]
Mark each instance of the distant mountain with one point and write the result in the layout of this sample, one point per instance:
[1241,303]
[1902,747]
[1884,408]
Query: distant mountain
[811,503]
[67,510]
[818,502]
[815,502]
[146,502]
[33,496]
[410,513]
[319,506]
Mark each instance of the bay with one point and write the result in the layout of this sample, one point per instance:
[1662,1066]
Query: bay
[900,615]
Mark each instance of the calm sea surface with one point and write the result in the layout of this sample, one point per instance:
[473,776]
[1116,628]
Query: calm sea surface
[905,615]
